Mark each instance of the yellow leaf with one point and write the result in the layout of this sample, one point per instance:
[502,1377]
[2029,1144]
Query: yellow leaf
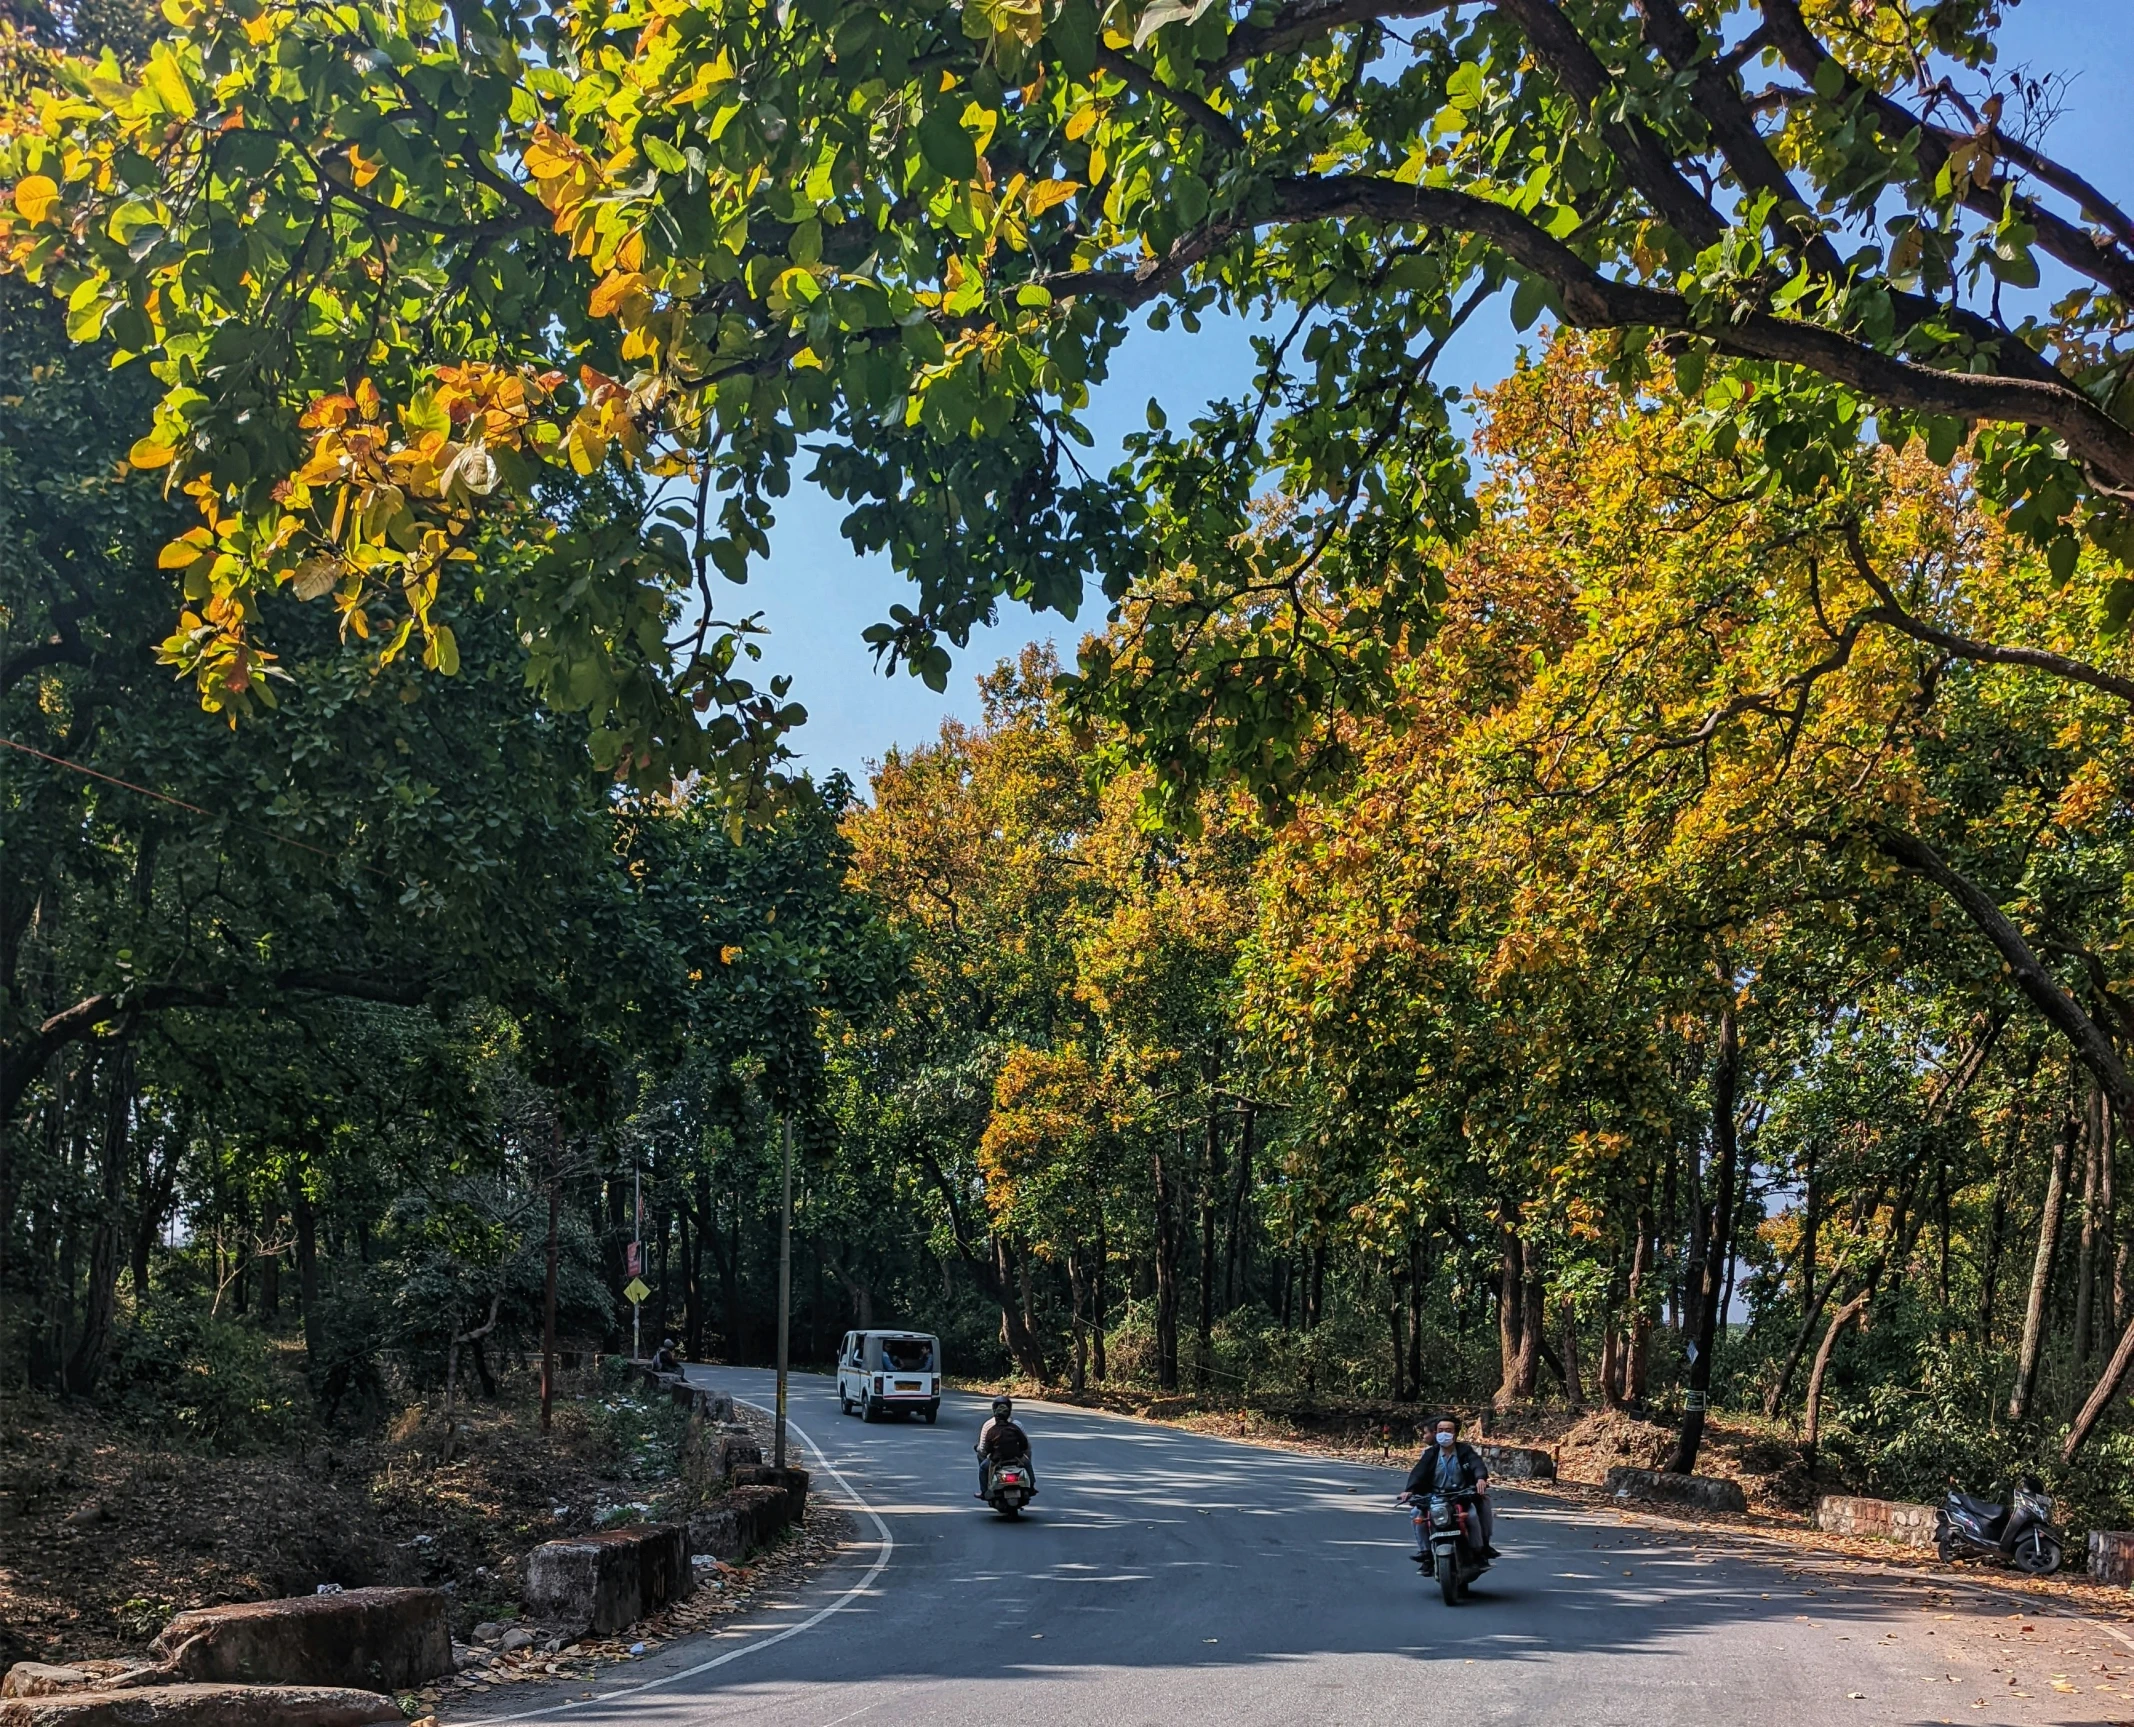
[1043,195]
[35,195]
[147,453]
[166,78]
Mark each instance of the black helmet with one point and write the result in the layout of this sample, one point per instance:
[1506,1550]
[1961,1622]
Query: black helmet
[1003,1407]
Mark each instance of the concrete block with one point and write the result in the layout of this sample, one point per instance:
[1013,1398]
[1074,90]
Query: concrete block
[599,1583]
[2112,1555]
[1518,1463]
[374,1639]
[204,1706]
[1653,1486]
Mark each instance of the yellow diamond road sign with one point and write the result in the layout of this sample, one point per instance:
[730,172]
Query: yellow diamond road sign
[636,1290]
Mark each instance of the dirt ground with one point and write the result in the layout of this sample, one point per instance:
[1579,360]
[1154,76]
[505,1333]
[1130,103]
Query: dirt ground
[103,1536]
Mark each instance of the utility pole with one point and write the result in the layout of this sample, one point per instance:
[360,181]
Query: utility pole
[637,1261]
[785,1290]
[548,1284]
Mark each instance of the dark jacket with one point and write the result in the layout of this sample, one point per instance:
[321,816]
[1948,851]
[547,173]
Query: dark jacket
[1003,1442]
[1423,1477]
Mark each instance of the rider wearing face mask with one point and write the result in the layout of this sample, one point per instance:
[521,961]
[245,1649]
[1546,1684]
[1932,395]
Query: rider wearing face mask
[1447,1465]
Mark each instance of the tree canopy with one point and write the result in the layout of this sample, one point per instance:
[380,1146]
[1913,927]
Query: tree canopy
[400,268]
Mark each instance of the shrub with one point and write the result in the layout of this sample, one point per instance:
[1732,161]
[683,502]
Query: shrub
[187,1377]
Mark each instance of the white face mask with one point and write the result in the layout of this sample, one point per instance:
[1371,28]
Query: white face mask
[1444,1439]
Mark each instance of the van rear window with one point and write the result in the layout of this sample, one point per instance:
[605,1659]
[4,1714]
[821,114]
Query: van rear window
[908,1354]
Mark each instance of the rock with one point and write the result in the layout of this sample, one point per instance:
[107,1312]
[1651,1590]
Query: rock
[603,1582]
[204,1706]
[390,1639]
[88,1516]
[38,1679]
[1704,1492]
[1518,1463]
[2112,1555]
[489,1631]
[517,1638]
[1888,1519]
[41,1679]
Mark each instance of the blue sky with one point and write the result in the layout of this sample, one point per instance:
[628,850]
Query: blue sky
[816,596]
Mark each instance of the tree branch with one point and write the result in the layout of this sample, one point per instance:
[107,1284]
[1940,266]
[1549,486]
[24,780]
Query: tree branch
[1590,300]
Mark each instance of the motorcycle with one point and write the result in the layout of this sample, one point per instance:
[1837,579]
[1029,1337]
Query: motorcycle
[1009,1488]
[2020,1533]
[1454,1540]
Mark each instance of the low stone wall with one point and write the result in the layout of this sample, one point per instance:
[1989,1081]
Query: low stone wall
[739,1522]
[1653,1486]
[1898,1520]
[1518,1462]
[2112,1555]
[376,1639]
[204,1706]
[793,1483]
[598,1583]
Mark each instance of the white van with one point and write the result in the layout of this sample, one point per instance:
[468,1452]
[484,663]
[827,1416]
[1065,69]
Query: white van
[880,1371]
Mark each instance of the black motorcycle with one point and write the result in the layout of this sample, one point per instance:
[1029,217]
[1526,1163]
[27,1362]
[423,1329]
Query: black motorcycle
[1452,1529]
[2020,1533]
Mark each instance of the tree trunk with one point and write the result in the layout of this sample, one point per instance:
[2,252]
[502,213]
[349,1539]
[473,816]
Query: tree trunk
[1167,1245]
[548,1279]
[1097,1317]
[1014,1301]
[1237,1260]
[1812,1425]
[1611,1368]
[2026,1373]
[1511,1316]
[1573,1369]
[1637,1340]
[1811,1229]
[100,1301]
[1533,1322]
[307,1269]
[1716,1212]
[1078,1372]
[2086,1238]
[1210,1180]
[1418,1278]
[2101,1394]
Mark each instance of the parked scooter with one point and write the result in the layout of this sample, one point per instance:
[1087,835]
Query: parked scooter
[1009,1488]
[2020,1533]
[1447,1528]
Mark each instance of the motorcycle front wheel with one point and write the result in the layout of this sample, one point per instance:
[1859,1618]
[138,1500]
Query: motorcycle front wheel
[2039,1555]
[1449,1585]
[1945,1546]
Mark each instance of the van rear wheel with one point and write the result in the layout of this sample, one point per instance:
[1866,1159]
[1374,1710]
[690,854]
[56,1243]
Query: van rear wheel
[933,1413]
[868,1410]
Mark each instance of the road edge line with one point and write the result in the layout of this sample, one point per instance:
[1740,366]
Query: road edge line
[887,1543]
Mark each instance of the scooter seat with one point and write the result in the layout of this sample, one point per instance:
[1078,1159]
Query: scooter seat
[1985,1510]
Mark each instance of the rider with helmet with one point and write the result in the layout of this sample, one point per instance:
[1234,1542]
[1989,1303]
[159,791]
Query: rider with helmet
[1002,1441]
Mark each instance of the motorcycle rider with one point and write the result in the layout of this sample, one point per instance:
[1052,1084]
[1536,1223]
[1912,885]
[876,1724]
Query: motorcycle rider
[1000,1440]
[1447,1465]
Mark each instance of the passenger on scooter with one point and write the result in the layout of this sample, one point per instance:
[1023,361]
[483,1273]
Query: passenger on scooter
[1001,1441]
[1448,1465]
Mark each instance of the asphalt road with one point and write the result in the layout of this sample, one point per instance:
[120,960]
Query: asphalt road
[1166,1578]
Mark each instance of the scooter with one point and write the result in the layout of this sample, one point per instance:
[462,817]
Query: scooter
[1010,1488]
[1454,1541]
[2020,1533]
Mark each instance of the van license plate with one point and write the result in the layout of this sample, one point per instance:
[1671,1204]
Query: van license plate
[909,1385]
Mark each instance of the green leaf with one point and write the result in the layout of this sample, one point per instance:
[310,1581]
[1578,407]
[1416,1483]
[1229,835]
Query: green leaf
[1529,300]
[2116,608]
[946,146]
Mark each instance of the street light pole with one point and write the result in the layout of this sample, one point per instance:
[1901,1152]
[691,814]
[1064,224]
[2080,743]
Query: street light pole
[637,1240]
[785,1291]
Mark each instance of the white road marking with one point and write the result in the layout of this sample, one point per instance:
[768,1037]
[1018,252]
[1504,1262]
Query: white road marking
[888,1546]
